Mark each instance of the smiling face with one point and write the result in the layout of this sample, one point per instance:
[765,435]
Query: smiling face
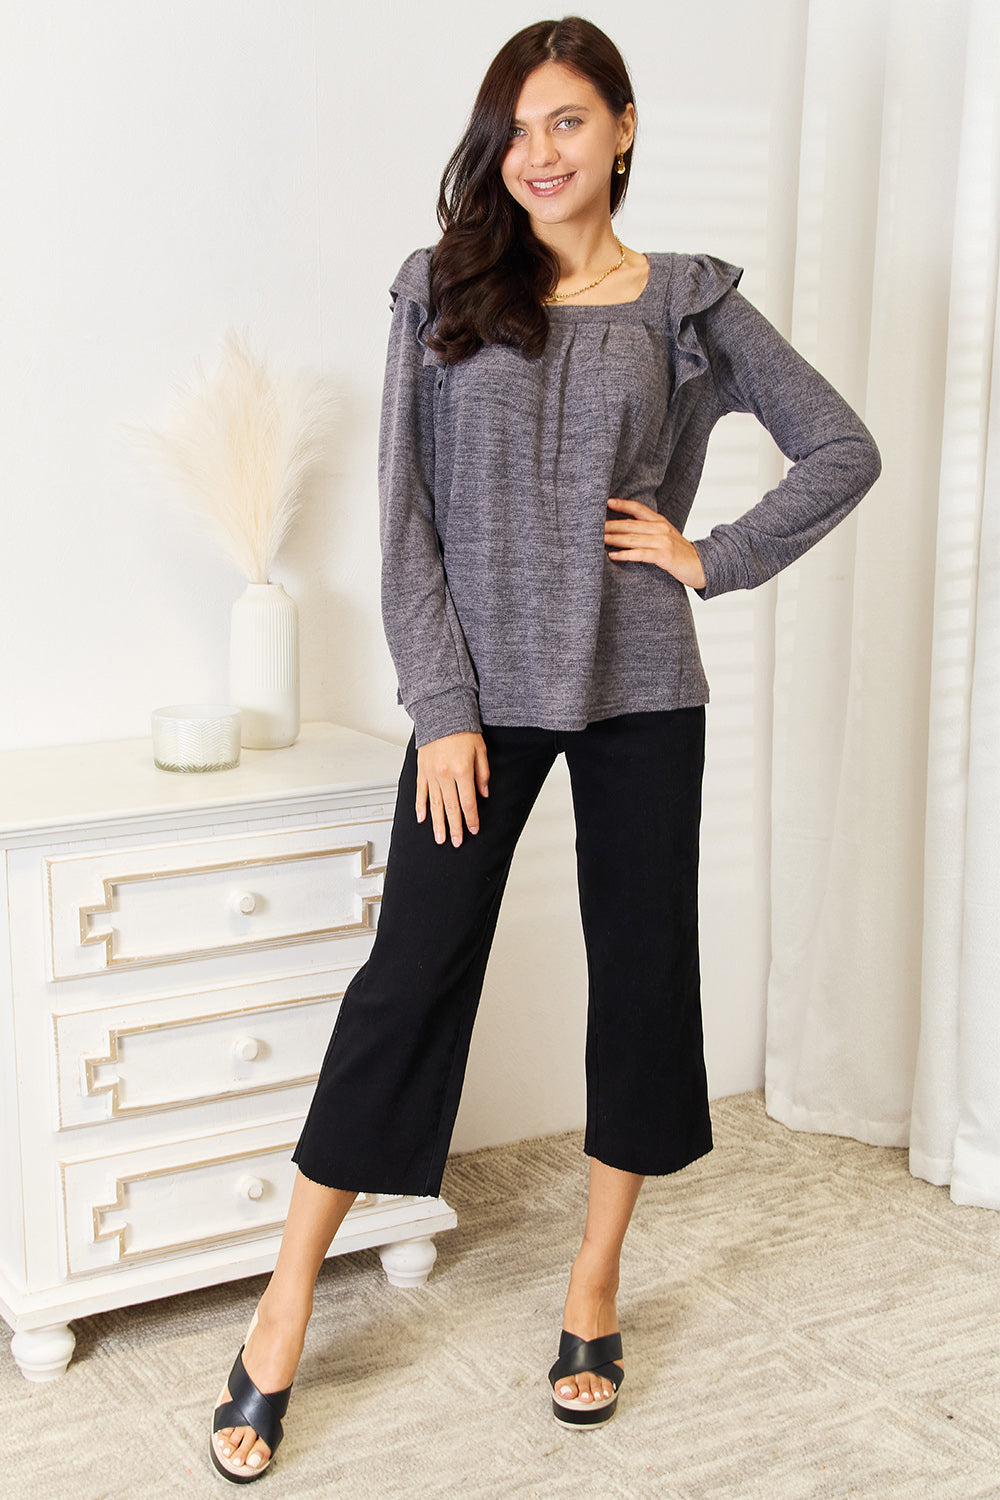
[563,144]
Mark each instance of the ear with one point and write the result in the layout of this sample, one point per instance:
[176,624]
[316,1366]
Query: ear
[626,128]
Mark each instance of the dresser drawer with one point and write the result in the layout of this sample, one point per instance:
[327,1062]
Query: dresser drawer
[120,908]
[169,1051]
[176,1199]
[173,955]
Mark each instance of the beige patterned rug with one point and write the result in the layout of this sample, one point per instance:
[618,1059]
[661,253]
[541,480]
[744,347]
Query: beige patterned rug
[802,1321]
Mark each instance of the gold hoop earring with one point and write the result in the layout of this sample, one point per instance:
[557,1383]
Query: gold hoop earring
[620,165]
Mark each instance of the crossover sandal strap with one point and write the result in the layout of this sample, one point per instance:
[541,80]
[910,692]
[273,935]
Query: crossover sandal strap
[594,1356]
[249,1407]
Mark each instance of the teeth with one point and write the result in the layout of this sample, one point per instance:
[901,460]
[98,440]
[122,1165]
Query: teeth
[552,181]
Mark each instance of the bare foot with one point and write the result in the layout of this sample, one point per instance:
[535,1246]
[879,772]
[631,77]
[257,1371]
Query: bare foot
[270,1357]
[590,1313]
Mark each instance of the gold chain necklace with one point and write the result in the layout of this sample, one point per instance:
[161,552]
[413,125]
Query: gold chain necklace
[561,296]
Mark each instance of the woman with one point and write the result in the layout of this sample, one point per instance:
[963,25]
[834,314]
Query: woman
[548,401]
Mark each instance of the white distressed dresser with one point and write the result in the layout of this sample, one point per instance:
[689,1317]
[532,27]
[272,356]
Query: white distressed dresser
[173,953]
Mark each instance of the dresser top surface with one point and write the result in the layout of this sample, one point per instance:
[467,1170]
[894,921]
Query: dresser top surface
[64,784]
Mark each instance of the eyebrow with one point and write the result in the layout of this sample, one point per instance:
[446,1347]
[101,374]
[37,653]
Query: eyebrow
[580,109]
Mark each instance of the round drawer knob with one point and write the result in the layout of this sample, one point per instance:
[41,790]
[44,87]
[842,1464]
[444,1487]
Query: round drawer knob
[246,1048]
[251,1188]
[244,902]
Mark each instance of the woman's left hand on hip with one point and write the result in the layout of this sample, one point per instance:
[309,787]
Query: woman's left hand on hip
[640,534]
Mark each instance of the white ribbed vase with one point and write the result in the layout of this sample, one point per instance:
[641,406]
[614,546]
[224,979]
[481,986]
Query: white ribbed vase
[264,666]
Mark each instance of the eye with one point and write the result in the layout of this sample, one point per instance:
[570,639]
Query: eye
[514,132]
[570,122]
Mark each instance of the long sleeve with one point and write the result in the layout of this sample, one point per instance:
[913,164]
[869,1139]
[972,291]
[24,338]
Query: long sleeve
[834,458]
[437,682]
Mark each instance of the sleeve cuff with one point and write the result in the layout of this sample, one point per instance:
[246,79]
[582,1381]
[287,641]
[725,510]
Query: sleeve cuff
[725,569]
[453,712]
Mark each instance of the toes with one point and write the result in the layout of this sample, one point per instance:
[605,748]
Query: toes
[251,1450]
[585,1387]
[227,1441]
[595,1388]
[237,1445]
[258,1455]
[224,1438]
[247,1439]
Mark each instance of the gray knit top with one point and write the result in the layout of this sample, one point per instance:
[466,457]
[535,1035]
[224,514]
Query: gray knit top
[499,601]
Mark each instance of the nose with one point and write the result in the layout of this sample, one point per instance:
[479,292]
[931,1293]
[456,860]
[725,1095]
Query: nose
[541,149]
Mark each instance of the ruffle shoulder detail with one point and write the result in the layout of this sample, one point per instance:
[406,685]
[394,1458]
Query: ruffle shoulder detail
[694,283]
[413,281]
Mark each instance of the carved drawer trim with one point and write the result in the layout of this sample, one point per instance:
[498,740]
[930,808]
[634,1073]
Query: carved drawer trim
[172,1051]
[158,1202]
[120,909]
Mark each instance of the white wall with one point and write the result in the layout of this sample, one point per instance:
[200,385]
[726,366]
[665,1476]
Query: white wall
[170,170]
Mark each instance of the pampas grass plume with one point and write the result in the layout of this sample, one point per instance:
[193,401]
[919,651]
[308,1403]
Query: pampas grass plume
[241,445]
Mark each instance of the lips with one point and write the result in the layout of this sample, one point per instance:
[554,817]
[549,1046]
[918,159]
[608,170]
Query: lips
[546,187]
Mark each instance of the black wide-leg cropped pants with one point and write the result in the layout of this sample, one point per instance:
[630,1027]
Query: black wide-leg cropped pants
[388,1093]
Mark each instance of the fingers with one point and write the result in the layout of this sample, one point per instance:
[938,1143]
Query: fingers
[642,541]
[648,537]
[446,813]
[430,794]
[658,533]
[469,810]
[679,558]
[638,554]
[635,508]
[482,770]
[435,803]
[641,526]
[627,536]
[450,771]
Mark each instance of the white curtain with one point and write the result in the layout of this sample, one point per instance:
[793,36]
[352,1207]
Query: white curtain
[884,994]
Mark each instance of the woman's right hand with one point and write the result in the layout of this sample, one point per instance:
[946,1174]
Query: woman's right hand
[450,771]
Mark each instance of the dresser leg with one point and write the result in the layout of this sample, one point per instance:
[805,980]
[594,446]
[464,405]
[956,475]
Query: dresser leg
[43,1353]
[408,1262]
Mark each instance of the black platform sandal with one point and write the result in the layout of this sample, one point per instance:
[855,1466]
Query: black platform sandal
[592,1356]
[248,1407]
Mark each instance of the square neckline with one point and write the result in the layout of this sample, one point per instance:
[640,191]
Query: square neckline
[603,309]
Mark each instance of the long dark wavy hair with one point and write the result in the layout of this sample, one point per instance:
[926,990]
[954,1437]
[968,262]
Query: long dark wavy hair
[490,272]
